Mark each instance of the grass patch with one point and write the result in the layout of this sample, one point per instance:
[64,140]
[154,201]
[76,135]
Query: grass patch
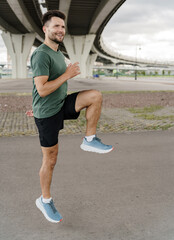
[145,109]
[16,94]
[154,117]
[167,126]
[159,127]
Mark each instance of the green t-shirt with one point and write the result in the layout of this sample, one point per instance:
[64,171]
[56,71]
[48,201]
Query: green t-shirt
[47,62]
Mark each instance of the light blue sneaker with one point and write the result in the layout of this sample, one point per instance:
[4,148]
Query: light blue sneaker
[49,210]
[95,146]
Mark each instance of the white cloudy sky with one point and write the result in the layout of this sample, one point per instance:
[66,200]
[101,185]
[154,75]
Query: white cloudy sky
[143,24]
[147,25]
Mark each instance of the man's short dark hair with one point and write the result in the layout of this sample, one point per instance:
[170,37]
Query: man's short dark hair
[52,13]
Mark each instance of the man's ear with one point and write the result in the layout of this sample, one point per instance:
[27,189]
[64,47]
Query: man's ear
[44,28]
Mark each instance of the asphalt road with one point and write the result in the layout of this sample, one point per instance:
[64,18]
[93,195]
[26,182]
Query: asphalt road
[103,84]
[127,194]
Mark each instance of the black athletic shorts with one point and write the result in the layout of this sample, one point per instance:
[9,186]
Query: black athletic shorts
[49,127]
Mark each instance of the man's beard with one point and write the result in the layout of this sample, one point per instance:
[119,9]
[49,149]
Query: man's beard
[55,40]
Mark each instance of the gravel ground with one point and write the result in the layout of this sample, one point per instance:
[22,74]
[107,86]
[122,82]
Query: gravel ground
[138,99]
[115,116]
[16,103]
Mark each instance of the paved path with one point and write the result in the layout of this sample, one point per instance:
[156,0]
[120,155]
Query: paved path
[127,194]
[103,84]
[111,120]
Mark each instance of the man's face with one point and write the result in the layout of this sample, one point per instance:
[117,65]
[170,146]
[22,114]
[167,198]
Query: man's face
[55,29]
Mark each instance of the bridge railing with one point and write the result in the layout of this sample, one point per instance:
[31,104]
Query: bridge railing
[113,53]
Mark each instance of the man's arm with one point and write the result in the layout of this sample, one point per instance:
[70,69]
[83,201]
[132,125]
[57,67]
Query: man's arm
[45,87]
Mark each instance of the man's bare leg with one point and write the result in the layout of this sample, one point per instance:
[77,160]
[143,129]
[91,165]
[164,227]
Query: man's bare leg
[46,171]
[92,101]
[45,202]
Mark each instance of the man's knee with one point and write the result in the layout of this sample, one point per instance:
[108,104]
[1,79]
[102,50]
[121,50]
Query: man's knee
[50,157]
[96,96]
[53,158]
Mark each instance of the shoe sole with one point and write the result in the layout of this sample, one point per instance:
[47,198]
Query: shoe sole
[92,149]
[40,207]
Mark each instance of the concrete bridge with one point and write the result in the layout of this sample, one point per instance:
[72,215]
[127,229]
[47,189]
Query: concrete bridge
[21,23]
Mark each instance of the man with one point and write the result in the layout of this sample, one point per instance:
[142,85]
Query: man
[51,105]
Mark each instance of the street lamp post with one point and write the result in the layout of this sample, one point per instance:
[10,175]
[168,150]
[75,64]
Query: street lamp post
[137,48]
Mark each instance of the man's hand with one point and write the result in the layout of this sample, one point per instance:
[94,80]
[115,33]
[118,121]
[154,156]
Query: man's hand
[29,113]
[45,87]
[72,70]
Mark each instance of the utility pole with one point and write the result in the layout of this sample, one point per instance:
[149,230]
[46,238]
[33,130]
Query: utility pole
[137,48]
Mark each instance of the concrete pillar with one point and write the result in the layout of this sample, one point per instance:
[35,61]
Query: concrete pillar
[90,63]
[78,48]
[19,46]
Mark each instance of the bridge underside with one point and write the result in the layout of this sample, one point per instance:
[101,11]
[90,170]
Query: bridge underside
[21,22]
[85,22]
